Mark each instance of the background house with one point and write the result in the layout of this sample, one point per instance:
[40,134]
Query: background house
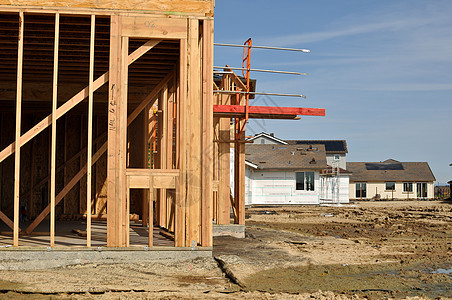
[391,179]
[267,167]
[283,174]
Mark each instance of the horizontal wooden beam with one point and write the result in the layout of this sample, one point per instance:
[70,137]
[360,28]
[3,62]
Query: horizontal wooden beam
[270,112]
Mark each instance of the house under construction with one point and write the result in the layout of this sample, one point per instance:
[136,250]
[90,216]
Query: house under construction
[111,124]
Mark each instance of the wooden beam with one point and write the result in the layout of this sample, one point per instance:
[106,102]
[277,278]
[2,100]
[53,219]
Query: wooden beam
[71,103]
[114,213]
[167,9]
[54,131]
[18,126]
[7,220]
[89,145]
[145,27]
[224,160]
[239,110]
[207,134]
[162,151]
[180,224]
[122,126]
[151,212]
[194,134]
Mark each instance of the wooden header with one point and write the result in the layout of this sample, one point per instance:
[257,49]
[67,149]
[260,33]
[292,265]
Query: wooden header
[204,7]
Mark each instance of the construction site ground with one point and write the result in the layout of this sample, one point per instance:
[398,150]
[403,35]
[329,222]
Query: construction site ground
[372,250]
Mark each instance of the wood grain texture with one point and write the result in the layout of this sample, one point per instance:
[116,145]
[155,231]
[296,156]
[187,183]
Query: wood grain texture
[155,27]
[167,6]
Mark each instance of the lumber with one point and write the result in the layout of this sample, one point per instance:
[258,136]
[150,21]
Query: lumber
[122,126]
[7,220]
[155,27]
[173,7]
[207,134]
[54,131]
[68,105]
[114,215]
[89,145]
[180,224]
[193,133]
[18,126]
[224,156]
[151,212]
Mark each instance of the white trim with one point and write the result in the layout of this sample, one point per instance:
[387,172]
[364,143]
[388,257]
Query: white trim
[263,134]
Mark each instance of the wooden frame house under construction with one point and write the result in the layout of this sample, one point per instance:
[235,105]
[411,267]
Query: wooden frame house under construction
[108,116]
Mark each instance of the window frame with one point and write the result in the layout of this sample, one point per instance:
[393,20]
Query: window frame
[390,182]
[408,184]
[362,192]
[307,183]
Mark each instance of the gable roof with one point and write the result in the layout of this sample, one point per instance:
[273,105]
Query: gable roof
[268,136]
[331,146]
[390,170]
[286,156]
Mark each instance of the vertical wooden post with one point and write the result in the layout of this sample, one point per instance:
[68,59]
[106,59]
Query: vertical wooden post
[163,136]
[18,123]
[179,233]
[239,176]
[207,134]
[169,152]
[151,211]
[114,213]
[90,133]
[54,131]
[193,214]
[145,204]
[125,206]
[224,148]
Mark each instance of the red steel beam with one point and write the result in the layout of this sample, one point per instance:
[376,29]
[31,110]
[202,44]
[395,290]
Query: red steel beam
[233,110]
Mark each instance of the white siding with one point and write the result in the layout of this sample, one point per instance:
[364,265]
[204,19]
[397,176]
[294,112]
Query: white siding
[342,160]
[278,187]
[265,141]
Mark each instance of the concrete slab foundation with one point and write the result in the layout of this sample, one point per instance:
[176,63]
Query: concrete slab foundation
[234,230]
[34,259]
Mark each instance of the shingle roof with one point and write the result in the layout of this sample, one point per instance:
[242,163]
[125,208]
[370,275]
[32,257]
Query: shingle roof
[388,171]
[286,156]
[331,146]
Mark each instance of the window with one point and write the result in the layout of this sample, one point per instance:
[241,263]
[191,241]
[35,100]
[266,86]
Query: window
[337,157]
[361,190]
[262,141]
[407,186]
[390,186]
[304,181]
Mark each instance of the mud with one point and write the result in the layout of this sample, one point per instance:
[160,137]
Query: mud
[367,250]
[384,249]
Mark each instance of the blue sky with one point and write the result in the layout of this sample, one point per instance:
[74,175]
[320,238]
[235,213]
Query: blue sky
[381,69]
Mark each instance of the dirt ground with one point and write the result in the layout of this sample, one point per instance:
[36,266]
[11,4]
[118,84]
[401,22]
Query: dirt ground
[364,250]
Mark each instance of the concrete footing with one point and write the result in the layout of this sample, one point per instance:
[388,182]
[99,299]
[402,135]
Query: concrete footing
[234,230]
[34,259]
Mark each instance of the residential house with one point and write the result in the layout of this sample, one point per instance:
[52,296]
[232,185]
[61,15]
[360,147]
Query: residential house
[275,169]
[391,179]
